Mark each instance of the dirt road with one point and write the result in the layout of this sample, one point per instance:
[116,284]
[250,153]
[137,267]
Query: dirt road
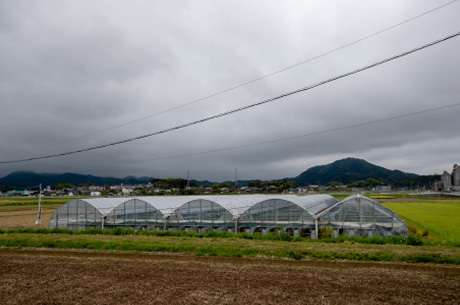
[82,277]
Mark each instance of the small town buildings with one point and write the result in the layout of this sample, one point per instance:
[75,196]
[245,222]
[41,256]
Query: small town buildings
[19,193]
[456,178]
[383,188]
[451,181]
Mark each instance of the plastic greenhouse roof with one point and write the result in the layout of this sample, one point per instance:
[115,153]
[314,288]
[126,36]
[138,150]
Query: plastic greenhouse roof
[357,196]
[165,204]
[238,204]
[382,207]
[104,205]
[234,204]
[313,204]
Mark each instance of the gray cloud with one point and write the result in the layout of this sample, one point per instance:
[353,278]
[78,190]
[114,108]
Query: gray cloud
[69,69]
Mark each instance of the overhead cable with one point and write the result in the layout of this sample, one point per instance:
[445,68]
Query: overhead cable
[288,138]
[223,114]
[242,84]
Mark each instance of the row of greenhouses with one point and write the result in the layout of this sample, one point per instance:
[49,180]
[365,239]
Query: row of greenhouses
[298,215]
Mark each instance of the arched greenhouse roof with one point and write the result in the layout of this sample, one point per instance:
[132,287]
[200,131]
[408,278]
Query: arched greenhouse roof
[360,197]
[103,205]
[313,204]
[238,204]
[234,204]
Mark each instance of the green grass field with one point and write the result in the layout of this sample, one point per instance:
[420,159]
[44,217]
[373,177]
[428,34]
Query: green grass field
[441,218]
[31,202]
[227,245]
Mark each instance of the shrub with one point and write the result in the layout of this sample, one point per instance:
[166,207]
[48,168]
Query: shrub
[121,231]
[326,232]
[414,240]
[285,237]
[294,255]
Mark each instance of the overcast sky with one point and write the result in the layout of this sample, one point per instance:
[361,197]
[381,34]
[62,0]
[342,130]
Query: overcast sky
[69,69]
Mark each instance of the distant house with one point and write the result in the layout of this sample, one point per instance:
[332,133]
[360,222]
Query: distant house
[95,188]
[126,191]
[245,189]
[95,194]
[437,186]
[383,188]
[446,179]
[19,193]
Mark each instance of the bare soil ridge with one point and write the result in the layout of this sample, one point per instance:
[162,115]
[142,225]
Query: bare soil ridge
[84,277]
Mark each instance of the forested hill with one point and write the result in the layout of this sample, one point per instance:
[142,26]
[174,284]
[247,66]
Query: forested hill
[349,170]
[27,179]
[343,171]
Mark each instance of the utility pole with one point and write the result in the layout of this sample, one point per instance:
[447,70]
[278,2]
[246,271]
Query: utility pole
[39,210]
[236,178]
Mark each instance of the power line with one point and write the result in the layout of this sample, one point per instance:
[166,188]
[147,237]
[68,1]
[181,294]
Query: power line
[290,138]
[242,84]
[240,108]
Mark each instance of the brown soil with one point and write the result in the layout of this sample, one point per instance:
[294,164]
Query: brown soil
[24,217]
[84,277]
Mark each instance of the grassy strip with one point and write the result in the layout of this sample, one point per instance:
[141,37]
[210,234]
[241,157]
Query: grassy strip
[229,248]
[33,201]
[387,256]
[412,240]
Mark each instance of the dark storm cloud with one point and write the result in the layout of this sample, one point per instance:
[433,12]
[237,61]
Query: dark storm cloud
[69,69]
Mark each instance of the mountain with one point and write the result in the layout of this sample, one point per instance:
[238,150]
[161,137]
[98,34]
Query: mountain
[344,171]
[28,179]
[349,170]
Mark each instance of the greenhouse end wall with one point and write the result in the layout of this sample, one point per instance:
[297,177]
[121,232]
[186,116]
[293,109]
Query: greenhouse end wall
[76,215]
[360,216]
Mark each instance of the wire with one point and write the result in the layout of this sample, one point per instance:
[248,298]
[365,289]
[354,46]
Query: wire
[288,138]
[242,84]
[241,108]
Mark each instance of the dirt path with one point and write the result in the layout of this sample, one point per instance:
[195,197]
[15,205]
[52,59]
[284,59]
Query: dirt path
[84,277]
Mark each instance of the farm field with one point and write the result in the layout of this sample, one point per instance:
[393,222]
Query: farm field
[22,212]
[81,277]
[58,268]
[441,218]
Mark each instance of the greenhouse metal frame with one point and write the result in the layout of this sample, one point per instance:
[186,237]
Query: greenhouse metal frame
[297,215]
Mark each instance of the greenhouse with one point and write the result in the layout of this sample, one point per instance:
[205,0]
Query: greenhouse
[361,216]
[297,215]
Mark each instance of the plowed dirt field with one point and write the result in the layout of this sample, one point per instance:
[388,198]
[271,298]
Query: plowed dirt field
[84,277]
